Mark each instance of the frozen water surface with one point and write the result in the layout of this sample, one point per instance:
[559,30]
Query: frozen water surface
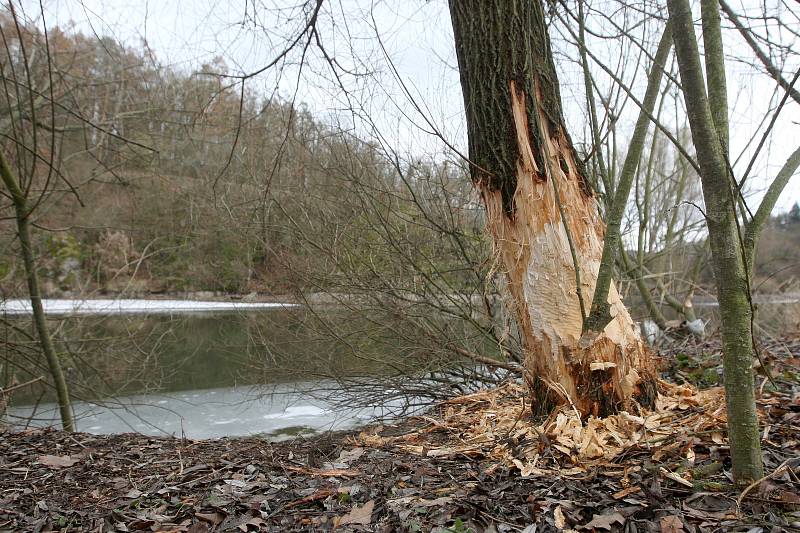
[275,411]
[131,306]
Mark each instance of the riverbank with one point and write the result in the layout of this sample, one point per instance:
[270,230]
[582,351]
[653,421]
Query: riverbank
[475,463]
[322,298]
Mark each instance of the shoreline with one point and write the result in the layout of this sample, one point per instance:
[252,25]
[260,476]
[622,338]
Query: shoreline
[320,297]
[130,306]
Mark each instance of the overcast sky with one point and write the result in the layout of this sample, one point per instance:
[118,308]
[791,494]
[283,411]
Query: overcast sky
[418,38]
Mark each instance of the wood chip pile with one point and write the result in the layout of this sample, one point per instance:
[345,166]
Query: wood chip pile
[496,424]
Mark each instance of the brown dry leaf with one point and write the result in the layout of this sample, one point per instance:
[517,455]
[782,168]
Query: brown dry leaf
[397,503]
[255,522]
[357,515]
[605,521]
[350,455]
[625,492]
[316,496]
[58,461]
[671,524]
[133,494]
[675,477]
[790,497]
[198,527]
[332,472]
[211,518]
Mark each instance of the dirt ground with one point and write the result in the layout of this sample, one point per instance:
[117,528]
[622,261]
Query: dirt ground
[475,463]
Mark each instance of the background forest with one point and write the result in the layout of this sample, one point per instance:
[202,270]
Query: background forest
[177,183]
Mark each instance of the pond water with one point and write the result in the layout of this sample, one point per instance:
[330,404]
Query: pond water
[199,369]
[213,369]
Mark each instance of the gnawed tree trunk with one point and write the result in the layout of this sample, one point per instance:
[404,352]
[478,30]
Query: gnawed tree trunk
[541,212]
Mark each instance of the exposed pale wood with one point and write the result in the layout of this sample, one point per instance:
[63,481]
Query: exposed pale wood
[533,250]
[541,212]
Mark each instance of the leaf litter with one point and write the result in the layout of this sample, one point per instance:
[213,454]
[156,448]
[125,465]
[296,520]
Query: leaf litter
[474,463]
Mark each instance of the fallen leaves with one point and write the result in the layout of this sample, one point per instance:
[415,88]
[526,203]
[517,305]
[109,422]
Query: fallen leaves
[329,472]
[670,524]
[675,477]
[313,497]
[605,521]
[789,497]
[214,518]
[58,461]
[415,501]
[475,463]
[625,492]
[255,522]
[358,515]
[560,519]
[350,456]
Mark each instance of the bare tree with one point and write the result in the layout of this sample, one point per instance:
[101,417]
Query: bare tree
[731,245]
[29,111]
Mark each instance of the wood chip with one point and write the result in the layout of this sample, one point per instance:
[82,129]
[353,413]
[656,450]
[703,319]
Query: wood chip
[675,477]
[626,492]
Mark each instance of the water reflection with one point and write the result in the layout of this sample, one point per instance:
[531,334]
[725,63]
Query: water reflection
[134,354]
[234,373]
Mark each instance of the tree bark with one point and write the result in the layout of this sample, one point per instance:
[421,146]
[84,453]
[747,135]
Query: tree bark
[715,70]
[726,250]
[541,212]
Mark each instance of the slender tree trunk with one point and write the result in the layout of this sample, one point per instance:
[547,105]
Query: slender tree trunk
[727,254]
[715,70]
[541,212]
[23,229]
[600,312]
[644,291]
